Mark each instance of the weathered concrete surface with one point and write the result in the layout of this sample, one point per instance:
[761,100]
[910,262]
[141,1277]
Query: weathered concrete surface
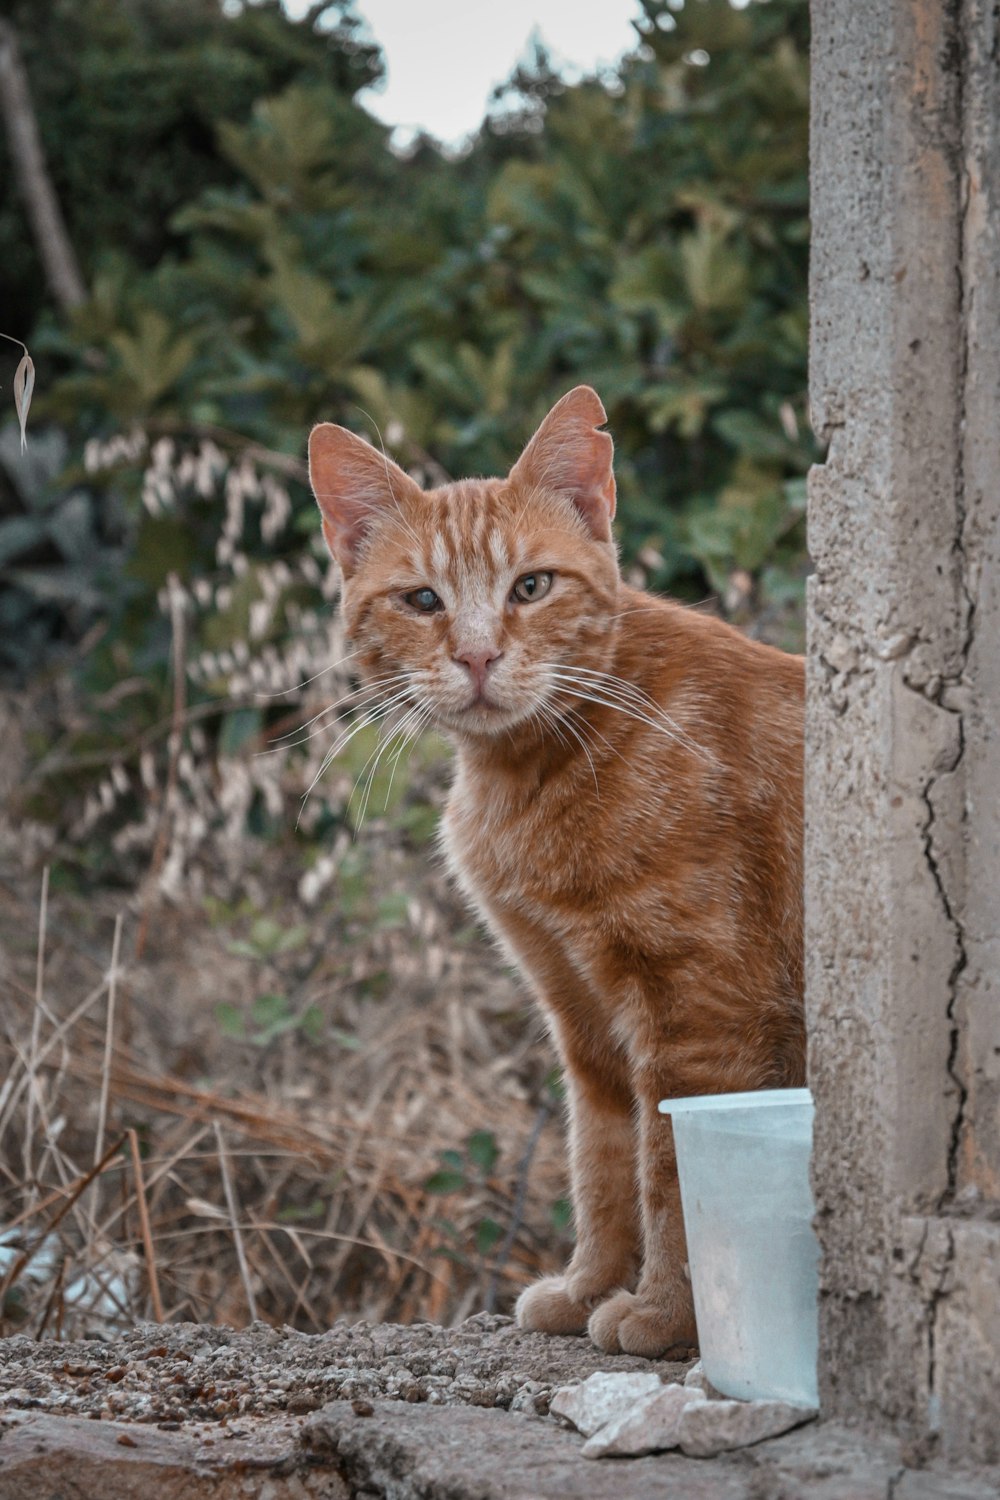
[187,1413]
[394,1451]
[71,1458]
[420,1454]
[903,716]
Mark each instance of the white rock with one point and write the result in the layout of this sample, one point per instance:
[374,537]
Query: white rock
[710,1427]
[698,1380]
[650,1425]
[603,1397]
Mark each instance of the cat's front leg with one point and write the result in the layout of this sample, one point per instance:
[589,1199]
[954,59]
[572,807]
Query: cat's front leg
[658,1317]
[603,1175]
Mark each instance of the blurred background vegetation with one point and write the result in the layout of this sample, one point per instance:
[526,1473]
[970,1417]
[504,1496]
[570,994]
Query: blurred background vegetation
[256,257]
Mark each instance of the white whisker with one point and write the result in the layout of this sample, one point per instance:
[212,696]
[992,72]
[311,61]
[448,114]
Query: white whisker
[297,687]
[373,761]
[408,737]
[553,718]
[344,740]
[356,698]
[608,691]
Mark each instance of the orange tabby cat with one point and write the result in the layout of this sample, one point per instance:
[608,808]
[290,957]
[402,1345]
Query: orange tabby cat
[626,816]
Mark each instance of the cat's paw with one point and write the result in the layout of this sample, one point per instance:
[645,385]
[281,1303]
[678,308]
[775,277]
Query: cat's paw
[629,1324]
[550,1307]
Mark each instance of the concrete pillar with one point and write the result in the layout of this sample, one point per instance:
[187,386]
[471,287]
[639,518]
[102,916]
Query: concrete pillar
[903,719]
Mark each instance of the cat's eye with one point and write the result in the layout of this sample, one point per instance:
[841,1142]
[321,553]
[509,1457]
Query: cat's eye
[424,600]
[531,587]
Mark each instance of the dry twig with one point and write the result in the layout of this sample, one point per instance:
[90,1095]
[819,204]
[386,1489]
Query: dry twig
[234,1224]
[147,1237]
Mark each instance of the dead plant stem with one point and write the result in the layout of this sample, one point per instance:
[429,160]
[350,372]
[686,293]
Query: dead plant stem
[147,1237]
[109,1035]
[36,1021]
[176,741]
[227,1183]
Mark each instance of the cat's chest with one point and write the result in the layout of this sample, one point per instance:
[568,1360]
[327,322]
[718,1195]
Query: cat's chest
[508,850]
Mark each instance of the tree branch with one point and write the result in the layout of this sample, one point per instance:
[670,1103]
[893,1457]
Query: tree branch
[58,257]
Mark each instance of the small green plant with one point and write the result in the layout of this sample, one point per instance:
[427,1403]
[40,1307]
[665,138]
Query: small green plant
[270,1016]
[466,1171]
[268,939]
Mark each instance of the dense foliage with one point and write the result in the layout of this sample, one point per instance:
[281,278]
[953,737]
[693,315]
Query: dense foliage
[259,258]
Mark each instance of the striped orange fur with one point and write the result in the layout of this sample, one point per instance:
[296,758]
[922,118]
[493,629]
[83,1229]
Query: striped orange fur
[626,817]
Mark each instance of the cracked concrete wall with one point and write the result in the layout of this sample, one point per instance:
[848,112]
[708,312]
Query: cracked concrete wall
[903,717]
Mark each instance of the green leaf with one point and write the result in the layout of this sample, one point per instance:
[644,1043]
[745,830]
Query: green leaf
[555,1086]
[230,1019]
[751,435]
[306,1214]
[346,1039]
[269,1009]
[482,1151]
[561,1213]
[20,534]
[310,1023]
[240,948]
[715,272]
[488,1233]
[445,1182]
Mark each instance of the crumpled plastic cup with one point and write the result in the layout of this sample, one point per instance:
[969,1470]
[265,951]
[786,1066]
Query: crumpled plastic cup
[743,1163]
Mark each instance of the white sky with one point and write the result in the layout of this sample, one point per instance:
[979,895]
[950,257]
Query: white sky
[444,57]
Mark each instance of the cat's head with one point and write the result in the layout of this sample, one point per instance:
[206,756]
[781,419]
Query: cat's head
[472,600]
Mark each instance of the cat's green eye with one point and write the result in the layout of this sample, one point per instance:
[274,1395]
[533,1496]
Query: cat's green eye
[424,600]
[531,587]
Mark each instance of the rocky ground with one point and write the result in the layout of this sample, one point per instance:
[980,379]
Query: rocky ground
[370,1411]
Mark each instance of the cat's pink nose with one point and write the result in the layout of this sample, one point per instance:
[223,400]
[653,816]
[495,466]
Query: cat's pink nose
[478,663]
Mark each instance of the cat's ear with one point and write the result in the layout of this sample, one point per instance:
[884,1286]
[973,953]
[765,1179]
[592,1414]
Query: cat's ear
[570,455]
[354,484]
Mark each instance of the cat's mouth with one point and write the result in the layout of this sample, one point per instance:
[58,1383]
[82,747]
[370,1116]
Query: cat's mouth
[482,701]
[480,715]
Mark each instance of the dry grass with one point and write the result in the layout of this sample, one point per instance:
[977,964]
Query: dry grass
[233,1063]
[275,1076]
[292,1181]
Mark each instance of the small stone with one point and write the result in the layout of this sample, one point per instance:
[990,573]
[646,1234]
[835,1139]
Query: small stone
[711,1427]
[841,655]
[895,646]
[696,1379]
[602,1398]
[302,1402]
[526,1398]
[650,1425]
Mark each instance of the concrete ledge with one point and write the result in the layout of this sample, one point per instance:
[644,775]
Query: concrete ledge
[423,1413]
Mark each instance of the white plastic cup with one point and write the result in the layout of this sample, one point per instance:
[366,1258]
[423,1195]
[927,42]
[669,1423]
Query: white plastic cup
[743,1163]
